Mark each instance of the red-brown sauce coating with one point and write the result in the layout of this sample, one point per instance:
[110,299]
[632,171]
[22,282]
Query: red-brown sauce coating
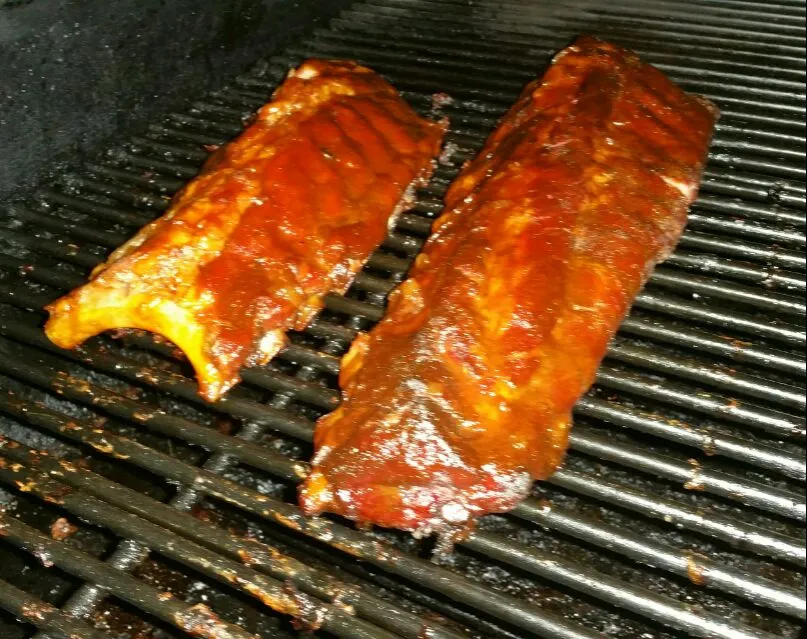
[279,217]
[463,393]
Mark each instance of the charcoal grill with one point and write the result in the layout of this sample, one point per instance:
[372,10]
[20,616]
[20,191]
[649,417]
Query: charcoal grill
[132,509]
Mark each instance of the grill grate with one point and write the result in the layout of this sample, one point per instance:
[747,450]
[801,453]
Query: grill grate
[680,510]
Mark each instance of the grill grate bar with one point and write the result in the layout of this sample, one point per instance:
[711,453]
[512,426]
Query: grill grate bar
[771,278]
[228,129]
[665,277]
[79,390]
[754,188]
[81,232]
[717,405]
[520,75]
[553,30]
[61,280]
[705,438]
[713,404]
[159,131]
[498,93]
[43,615]
[768,277]
[150,147]
[502,19]
[521,53]
[758,540]
[421,572]
[269,590]
[745,228]
[120,584]
[176,427]
[715,525]
[160,184]
[677,615]
[723,15]
[93,395]
[650,299]
[644,550]
[774,257]
[715,442]
[165,169]
[689,368]
[750,211]
[69,252]
[679,308]
[679,334]
[132,197]
[445,48]
[716,6]
[787,304]
[242,115]
[766,190]
[55,200]
[618,378]
[693,476]
[252,554]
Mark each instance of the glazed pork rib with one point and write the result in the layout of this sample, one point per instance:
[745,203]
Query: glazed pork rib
[286,213]
[463,393]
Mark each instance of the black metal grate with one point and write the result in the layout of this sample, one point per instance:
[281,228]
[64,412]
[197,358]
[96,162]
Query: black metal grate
[680,510]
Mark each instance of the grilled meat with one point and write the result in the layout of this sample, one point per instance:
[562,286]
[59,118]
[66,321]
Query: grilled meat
[286,213]
[463,393]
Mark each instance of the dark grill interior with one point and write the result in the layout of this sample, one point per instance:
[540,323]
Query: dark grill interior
[133,508]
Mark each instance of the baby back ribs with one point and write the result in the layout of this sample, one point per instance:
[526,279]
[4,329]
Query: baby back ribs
[463,393]
[286,213]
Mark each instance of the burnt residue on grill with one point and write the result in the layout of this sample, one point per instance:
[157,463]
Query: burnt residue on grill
[680,510]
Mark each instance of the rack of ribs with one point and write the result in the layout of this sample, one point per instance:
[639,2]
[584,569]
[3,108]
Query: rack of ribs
[284,214]
[463,393]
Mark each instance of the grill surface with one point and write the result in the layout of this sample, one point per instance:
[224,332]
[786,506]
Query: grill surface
[680,510]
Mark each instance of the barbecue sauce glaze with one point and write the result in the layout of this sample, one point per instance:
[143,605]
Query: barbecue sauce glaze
[463,393]
[281,216]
